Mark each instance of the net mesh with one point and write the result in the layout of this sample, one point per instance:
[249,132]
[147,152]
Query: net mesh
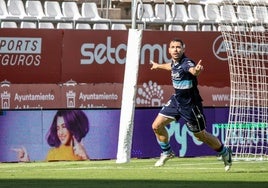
[244,26]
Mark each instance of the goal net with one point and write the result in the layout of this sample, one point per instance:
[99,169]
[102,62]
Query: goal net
[244,27]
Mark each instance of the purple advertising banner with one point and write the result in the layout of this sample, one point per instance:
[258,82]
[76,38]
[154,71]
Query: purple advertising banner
[27,130]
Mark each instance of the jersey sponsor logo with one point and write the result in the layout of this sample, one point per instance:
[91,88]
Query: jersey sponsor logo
[175,76]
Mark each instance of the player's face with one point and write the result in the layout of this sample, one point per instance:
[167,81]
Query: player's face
[63,133]
[176,50]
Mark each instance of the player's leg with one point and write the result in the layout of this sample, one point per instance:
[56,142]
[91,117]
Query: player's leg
[159,129]
[197,124]
[165,116]
[162,137]
[214,143]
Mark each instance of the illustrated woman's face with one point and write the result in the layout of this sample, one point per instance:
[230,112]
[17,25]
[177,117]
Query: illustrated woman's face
[63,133]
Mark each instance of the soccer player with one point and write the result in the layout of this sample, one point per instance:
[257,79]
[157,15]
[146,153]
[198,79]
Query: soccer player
[186,103]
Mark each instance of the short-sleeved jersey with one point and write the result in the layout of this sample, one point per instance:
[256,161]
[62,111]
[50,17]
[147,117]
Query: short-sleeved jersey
[184,83]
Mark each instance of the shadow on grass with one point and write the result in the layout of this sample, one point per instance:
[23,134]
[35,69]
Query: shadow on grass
[105,183]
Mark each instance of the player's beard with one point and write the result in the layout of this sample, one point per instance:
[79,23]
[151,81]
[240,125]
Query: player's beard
[177,56]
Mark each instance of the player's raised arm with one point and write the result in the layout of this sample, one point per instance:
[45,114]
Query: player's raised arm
[155,66]
[197,69]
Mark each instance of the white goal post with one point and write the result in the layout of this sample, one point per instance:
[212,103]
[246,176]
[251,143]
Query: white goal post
[129,96]
[244,27]
[129,90]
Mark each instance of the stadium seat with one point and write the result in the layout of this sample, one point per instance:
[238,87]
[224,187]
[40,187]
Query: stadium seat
[102,26]
[53,9]
[259,2]
[16,8]
[244,13]
[163,12]
[64,25]
[212,13]
[34,8]
[175,27]
[241,28]
[82,26]
[193,1]
[208,28]
[118,27]
[260,14]
[225,28]
[191,27]
[30,25]
[70,9]
[195,12]
[179,12]
[156,1]
[89,10]
[175,1]
[9,24]
[3,9]
[258,28]
[228,13]
[145,1]
[145,13]
[45,25]
[240,2]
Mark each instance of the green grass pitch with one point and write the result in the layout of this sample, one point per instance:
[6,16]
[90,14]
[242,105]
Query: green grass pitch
[138,173]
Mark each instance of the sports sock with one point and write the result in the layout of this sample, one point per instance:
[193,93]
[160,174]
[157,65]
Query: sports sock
[220,149]
[223,152]
[166,148]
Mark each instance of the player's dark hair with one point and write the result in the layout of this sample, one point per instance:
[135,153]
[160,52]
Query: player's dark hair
[178,40]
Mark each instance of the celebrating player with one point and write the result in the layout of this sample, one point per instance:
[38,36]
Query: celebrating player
[186,103]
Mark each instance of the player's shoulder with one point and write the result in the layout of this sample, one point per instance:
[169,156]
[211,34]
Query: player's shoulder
[188,61]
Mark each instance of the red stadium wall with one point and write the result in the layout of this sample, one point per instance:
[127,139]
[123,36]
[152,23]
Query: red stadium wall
[37,63]
[30,56]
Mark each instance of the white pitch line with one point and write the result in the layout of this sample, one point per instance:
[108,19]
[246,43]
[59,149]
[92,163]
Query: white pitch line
[87,166]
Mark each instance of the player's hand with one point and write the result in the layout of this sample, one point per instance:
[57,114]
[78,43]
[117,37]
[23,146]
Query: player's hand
[79,149]
[199,67]
[154,65]
[22,154]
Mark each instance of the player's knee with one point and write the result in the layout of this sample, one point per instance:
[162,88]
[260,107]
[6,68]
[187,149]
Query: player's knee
[157,128]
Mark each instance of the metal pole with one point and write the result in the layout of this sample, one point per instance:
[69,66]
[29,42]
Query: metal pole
[165,13]
[133,16]
[101,8]
[134,7]
[107,8]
